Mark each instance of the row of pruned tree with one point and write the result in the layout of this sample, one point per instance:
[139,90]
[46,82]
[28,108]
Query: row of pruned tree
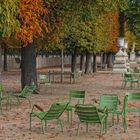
[76,27]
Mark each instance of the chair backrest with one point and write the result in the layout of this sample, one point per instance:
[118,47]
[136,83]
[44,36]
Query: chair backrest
[128,97]
[77,94]
[87,113]
[128,75]
[138,69]
[111,101]
[55,111]
[42,78]
[27,91]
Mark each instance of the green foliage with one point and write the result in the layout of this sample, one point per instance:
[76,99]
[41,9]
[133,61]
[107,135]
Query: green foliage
[133,17]
[8,14]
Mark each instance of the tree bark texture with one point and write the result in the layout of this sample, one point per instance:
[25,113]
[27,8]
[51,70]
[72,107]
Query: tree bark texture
[5,68]
[109,60]
[88,68]
[28,65]
[94,63]
[0,63]
[82,63]
[73,63]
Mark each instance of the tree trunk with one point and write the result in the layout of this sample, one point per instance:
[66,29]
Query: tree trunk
[88,68]
[62,65]
[94,63]
[73,63]
[109,60]
[82,64]
[104,58]
[0,63]
[28,65]
[5,60]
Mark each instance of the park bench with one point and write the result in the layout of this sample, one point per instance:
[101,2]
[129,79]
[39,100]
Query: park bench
[102,66]
[66,74]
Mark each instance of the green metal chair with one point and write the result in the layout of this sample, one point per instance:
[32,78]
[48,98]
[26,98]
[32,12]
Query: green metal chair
[128,77]
[137,69]
[3,98]
[89,114]
[111,102]
[25,94]
[54,113]
[75,97]
[128,97]
[42,79]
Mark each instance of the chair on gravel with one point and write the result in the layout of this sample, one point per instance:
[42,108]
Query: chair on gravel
[129,77]
[127,108]
[25,94]
[54,113]
[88,113]
[75,97]
[3,98]
[42,79]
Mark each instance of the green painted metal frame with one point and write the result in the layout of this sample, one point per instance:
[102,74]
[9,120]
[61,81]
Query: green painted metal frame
[79,95]
[128,97]
[6,98]
[129,77]
[42,79]
[88,113]
[25,94]
[54,113]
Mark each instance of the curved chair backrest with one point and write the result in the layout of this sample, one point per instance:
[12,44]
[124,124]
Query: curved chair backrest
[130,96]
[128,75]
[43,78]
[27,90]
[111,101]
[77,94]
[87,113]
[138,69]
[55,111]
[133,96]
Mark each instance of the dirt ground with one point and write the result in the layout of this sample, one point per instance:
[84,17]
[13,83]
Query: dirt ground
[14,124]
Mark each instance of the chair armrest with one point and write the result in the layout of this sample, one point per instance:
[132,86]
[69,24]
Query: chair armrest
[94,100]
[105,110]
[38,107]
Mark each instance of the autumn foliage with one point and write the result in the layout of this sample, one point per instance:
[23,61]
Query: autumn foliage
[113,30]
[32,15]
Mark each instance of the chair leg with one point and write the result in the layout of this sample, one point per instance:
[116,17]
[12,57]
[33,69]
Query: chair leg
[1,105]
[124,123]
[71,117]
[29,102]
[68,116]
[42,126]
[86,127]
[78,129]
[30,122]
[60,122]
[45,125]
[117,118]
[113,119]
